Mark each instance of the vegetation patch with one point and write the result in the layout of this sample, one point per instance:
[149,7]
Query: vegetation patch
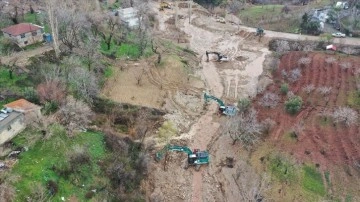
[353,99]
[312,180]
[282,168]
[49,163]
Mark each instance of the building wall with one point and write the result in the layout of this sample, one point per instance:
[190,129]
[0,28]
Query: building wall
[28,39]
[13,128]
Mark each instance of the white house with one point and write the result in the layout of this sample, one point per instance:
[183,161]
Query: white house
[24,34]
[129,16]
[342,4]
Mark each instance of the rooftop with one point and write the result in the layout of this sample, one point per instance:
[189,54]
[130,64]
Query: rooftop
[6,118]
[22,105]
[21,28]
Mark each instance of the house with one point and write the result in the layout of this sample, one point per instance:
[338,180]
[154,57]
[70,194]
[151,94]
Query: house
[129,16]
[24,34]
[29,109]
[15,116]
[11,123]
[342,4]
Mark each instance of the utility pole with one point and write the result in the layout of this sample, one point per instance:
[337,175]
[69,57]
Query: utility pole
[190,5]
[176,14]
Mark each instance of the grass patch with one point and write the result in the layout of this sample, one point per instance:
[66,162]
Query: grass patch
[353,99]
[324,121]
[312,181]
[282,169]
[254,14]
[327,178]
[36,166]
[38,19]
[33,46]
[109,72]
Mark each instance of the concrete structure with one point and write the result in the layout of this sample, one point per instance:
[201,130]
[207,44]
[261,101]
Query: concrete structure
[24,34]
[30,110]
[14,118]
[11,123]
[129,16]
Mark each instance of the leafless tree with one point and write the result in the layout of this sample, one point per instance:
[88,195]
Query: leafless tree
[268,124]
[74,115]
[108,27]
[244,128]
[51,7]
[294,75]
[345,65]
[309,88]
[89,52]
[304,61]
[324,90]
[138,76]
[269,100]
[349,50]
[84,84]
[330,60]
[235,6]
[282,46]
[345,115]
[73,27]
[51,91]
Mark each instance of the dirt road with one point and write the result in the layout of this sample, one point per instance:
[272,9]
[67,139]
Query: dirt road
[273,34]
[21,58]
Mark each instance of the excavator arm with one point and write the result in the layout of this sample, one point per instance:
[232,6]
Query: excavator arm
[160,154]
[220,56]
[210,97]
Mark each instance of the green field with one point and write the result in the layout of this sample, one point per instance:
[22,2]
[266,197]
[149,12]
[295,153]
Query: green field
[42,162]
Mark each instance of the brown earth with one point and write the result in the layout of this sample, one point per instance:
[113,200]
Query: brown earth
[326,144]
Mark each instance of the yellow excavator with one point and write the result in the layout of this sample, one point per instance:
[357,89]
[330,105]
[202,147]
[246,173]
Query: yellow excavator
[163,5]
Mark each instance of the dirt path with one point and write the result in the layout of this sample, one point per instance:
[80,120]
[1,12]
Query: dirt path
[21,58]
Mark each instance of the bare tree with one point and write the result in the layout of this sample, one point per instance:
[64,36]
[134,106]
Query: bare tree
[74,115]
[345,65]
[282,46]
[7,192]
[51,91]
[309,88]
[84,84]
[324,90]
[345,115]
[304,61]
[244,128]
[269,100]
[235,6]
[330,60]
[138,76]
[51,6]
[108,27]
[294,75]
[89,52]
[73,27]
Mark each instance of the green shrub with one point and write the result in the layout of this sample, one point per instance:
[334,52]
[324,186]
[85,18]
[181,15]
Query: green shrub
[244,104]
[293,104]
[31,95]
[284,88]
[50,107]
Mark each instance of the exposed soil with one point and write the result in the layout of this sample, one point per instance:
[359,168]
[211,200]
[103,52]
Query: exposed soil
[318,141]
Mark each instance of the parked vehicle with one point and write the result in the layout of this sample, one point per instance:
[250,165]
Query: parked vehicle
[338,34]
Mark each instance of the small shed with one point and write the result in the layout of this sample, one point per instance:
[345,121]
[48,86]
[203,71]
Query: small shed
[47,37]
[129,16]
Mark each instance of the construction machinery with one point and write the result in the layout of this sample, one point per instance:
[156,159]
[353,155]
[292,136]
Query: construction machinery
[163,5]
[195,158]
[220,56]
[259,32]
[223,109]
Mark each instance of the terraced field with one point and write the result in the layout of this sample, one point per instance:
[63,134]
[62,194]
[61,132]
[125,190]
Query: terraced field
[318,139]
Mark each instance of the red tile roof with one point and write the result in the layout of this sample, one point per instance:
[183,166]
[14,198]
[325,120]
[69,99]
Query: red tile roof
[22,105]
[20,28]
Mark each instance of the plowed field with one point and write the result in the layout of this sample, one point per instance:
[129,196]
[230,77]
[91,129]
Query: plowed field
[318,140]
